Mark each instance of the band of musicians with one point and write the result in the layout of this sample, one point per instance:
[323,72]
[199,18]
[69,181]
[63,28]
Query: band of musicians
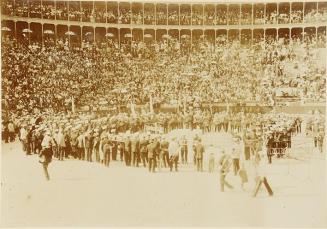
[104,140]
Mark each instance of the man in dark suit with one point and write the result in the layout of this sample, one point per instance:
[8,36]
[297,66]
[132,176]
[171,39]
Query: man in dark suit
[127,151]
[184,150]
[144,150]
[164,157]
[135,147]
[106,147]
[152,147]
[88,146]
[199,150]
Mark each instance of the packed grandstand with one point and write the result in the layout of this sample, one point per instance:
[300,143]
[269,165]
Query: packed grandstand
[201,65]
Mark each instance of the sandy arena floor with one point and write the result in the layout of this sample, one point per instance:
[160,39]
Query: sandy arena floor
[89,194]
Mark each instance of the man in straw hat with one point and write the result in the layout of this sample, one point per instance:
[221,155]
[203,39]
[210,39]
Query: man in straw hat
[46,153]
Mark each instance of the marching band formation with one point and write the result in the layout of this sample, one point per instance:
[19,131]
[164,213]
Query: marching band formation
[125,137]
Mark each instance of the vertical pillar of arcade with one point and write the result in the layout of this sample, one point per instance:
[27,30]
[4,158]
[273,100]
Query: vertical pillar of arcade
[131,30]
[179,22]
[118,29]
[317,8]
[41,24]
[155,21]
[81,36]
[227,22]
[252,23]
[191,26]
[94,20]
[264,16]
[41,33]
[227,14]
[251,41]
[15,24]
[203,38]
[55,33]
[68,24]
[143,21]
[29,34]
[239,22]
[28,24]
[215,37]
[143,14]
[167,16]
[303,13]
[93,35]
[277,29]
[316,28]
[106,12]
[252,18]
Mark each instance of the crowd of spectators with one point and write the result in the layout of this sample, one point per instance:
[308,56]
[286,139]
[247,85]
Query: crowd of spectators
[48,11]
[173,17]
[168,71]
[161,17]
[296,16]
[124,16]
[209,17]
[21,9]
[112,16]
[62,12]
[259,16]
[100,14]
[35,9]
[149,17]
[185,18]
[315,16]
[197,17]
[246,17]
[233,15]
[137,18]
[7,8]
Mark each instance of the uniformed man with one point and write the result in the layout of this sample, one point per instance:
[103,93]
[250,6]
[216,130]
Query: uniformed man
[199,151]
[164,157]
[80,145]
[152,147]
[96,145]
[61,144]
[320,140]
[127,151]
[173,154]
[144,150]
[236,160]
[184,149]
[11,131]
[106,151]
[135,148]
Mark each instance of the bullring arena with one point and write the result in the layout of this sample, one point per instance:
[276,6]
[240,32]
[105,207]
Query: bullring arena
[160,113]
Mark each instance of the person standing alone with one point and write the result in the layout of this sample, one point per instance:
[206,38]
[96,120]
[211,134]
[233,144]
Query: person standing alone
[46,153]
[224,164]
[199,150]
